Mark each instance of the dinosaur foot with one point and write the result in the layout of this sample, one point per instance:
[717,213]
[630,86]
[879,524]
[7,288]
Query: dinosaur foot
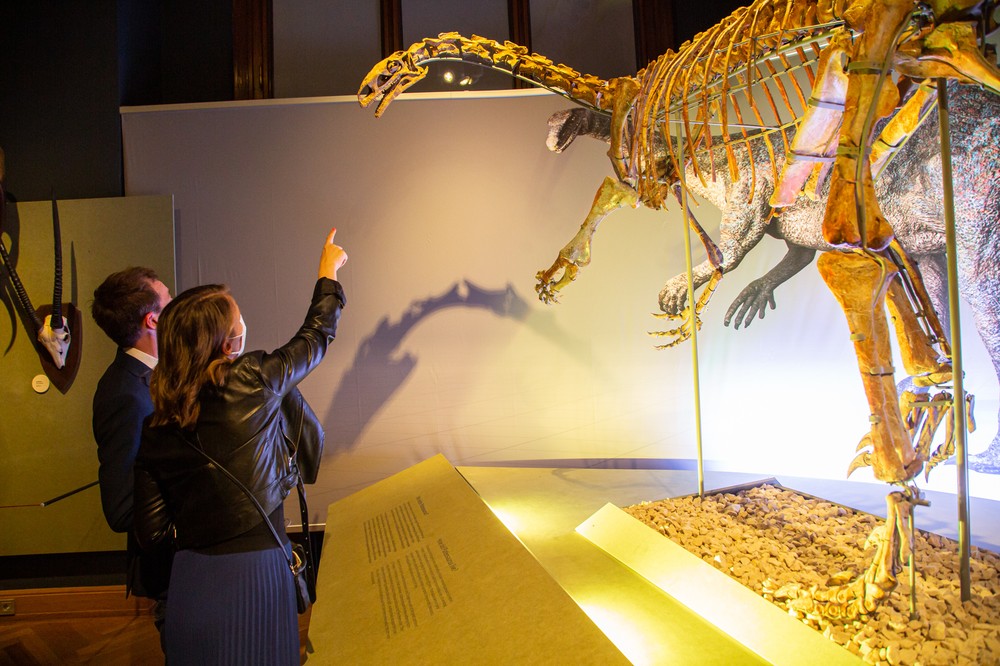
[844,599]
[841,603]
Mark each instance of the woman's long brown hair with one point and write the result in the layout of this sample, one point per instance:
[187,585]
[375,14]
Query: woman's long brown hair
[191,332]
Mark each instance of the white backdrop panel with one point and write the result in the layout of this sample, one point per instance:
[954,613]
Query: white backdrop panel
[448,207]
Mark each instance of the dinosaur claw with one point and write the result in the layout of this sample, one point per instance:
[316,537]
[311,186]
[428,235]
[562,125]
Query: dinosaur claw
[863,459]
[865,443]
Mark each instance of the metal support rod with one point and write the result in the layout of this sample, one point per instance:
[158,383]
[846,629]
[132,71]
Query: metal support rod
[57,498]
[958,404]
[913,562]
[694,321]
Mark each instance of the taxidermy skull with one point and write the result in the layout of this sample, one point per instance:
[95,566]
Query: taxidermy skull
[55,340]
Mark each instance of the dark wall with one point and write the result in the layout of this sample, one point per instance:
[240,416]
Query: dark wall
[175,52]
[67,65]
[59,104]
[690,18]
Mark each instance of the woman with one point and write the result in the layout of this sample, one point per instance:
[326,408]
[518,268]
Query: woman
[231,599]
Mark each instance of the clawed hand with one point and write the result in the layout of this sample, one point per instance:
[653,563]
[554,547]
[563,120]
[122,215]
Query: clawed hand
[752,302]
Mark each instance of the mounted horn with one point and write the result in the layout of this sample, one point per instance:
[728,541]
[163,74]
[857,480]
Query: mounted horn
[54,332]
[22,295]
[50,324]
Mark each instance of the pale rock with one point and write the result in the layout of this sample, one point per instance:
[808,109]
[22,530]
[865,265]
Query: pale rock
[799,539]
[938,631]
[944,656]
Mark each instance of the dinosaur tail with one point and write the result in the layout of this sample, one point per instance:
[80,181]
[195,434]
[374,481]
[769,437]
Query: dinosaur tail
[402,69]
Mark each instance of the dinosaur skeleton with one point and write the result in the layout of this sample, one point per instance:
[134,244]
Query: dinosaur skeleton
[910,189]
[843,51]
[49,324]
[915,223]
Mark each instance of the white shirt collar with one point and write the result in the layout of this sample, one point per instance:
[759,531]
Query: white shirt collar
[150,361]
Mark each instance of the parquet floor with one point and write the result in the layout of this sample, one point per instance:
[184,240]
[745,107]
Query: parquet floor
[103,641]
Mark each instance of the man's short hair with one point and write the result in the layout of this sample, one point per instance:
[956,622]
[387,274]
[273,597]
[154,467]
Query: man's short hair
[122,301]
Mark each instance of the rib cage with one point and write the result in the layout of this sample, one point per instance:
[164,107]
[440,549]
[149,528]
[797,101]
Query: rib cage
[707,84]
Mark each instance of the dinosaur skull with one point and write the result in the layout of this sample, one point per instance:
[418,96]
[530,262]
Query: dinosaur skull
[388,79]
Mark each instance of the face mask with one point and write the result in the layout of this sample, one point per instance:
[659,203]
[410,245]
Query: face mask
[242,337]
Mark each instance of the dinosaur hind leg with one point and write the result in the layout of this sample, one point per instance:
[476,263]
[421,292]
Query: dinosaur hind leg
[859,281]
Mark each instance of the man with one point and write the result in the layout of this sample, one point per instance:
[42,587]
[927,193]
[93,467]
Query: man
[127,306]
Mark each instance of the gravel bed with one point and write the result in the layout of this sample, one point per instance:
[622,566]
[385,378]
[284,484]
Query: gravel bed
[772,534]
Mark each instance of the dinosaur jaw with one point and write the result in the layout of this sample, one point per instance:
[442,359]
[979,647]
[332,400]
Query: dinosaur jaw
[387,80]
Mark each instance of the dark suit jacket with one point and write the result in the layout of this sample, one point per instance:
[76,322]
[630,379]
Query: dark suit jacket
[121,402]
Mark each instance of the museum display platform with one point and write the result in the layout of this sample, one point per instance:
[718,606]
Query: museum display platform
[544,508]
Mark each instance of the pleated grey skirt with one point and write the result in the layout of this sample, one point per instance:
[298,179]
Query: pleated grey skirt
[236,608]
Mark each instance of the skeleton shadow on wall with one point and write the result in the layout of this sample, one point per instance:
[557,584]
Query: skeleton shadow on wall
[379,368]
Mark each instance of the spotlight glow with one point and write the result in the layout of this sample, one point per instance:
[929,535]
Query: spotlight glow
[621,630]
[508,518]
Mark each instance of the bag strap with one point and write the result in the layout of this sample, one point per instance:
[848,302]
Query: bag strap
[306,541]
[239,484]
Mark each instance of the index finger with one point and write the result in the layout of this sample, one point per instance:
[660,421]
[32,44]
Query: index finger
[329,238]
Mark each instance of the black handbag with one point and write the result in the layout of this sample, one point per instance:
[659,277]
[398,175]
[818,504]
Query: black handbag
[303,434]
[300,561]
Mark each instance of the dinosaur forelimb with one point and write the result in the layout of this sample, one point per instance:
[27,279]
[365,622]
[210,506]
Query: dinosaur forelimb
[859,281]
[690,321]
[679,334]
[611,196]
[674,295]
[549,286]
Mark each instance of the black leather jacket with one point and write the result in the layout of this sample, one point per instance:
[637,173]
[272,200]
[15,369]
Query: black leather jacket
[241,426]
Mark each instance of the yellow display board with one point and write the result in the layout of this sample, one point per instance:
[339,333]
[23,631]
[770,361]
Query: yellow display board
[417,569]
[762,627]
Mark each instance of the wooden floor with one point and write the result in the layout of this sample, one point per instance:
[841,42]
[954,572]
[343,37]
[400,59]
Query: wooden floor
[102,640]
[109,640]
